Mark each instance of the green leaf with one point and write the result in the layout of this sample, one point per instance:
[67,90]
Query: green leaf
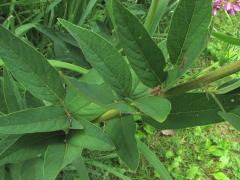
[53,159]
[155,14]
[3,105]
[91,137]
[188,33]
[109,169]
[103,57]
[220,176]
[28,147]
[30,68]
[143,53]
[87,11]
[56,156]
[156,107]
[7,141]
[229,87]
[227,38]
[122,132]
[81,168]
[232,117]
[154,161]
[12,95]
[32,169]
[195,109]
[65,47]
[98,93]
[41,119]
[79,106]
[2,173]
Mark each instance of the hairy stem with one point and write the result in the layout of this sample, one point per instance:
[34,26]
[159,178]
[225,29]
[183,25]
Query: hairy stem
[204,80]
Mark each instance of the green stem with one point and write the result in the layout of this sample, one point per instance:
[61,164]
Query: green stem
[151,15]
[155,14]
[61,64]
[109,115]
[72,67]
[204,80]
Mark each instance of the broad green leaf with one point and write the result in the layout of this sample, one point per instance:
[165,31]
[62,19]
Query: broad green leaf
[195,109]
[3,106]
[104,58]
[100,94]
[32,170]
[81,168]
[2,172]
[79,106]
[110,169]
[226,38]
[91,137]
[53,159]
[30,68]
[156,107]
[41,119]
[31,101]
[56,156]
[74,100]
[28,147]
[122,132]
[155,14]
[154,161]
[143,53]
[7,141]
[15,171]
[188,34]
[233,117]
[12,96]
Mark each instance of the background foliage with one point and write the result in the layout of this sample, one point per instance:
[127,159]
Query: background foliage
[210,152]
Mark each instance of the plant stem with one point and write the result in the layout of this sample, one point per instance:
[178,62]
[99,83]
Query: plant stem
[204,80]
[154,16]
[109,115]
[72,67]
[64,65]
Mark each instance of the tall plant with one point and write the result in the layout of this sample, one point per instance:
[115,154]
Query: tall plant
[48,118]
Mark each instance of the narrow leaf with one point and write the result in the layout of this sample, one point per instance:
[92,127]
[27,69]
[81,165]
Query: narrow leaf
[41,119]
[87,11]
[110,169]
[227,38]
[156,107]
[232,117]
[154,161]
[122,132]
[143,53]
[103,57]
[30,68]
[3,105]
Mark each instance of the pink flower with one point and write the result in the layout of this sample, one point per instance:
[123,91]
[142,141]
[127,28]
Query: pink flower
[230,6]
